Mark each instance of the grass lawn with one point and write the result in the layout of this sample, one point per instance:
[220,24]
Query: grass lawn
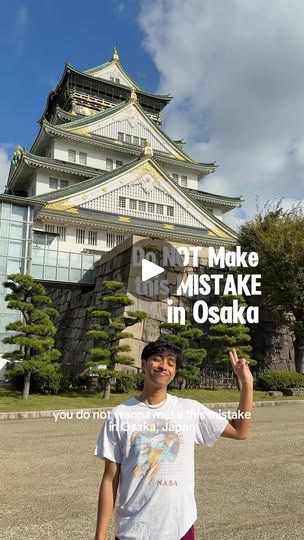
[12,401]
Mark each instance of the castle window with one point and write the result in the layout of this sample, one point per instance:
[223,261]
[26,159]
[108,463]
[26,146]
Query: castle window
[109,164]
[143,142]
[170,211]
[110,240]
[80,235]
[122,202]
[72,156]
[175,177]
[62,232]
[128,138]
[64,183]
[184,181]
[133,204]
[117,80]
[151,207]
[136,140]
[121,136]
[82,158]
[114,239]
[142,206]
[159,209]
[53,183]
[92,238]
[119,163]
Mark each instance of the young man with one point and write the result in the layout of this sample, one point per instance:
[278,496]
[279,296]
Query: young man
[148,446]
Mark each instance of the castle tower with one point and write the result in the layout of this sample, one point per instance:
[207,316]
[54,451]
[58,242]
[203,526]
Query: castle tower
[101,169]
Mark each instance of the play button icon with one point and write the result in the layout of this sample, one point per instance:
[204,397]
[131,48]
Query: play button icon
[151,267]
[149,270]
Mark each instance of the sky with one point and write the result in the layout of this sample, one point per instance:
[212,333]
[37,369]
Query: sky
[235,69]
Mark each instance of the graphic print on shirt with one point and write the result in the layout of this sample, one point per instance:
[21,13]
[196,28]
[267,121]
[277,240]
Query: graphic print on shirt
[153,448]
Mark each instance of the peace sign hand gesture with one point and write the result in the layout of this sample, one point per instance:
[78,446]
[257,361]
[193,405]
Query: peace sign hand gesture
[241,368]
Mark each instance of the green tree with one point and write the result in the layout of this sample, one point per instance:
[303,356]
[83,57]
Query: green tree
[277,235]
[182,335]
[223,337]
[108,327]
[34,334]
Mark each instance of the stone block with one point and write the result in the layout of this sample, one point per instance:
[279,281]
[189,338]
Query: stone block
[275,393]
[294,392]
[150,330]
[136,330]
[126,369]
[136,347]
[156,310]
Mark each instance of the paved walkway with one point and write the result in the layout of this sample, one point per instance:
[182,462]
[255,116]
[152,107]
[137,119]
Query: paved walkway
[251,489]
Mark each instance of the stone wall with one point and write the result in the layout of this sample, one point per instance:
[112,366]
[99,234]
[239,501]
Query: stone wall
[72,304]
[272,337]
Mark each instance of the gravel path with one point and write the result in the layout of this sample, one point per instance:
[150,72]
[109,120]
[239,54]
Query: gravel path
[253,489]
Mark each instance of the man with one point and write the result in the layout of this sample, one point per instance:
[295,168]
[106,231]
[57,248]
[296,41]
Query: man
[148,446]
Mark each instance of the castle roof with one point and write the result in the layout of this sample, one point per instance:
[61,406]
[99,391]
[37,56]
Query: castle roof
[68,198]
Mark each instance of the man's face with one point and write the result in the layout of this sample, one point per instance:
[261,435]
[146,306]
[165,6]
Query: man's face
[159,370]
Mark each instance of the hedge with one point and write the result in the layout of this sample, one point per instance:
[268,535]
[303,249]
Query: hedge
[279,380]
[40,384]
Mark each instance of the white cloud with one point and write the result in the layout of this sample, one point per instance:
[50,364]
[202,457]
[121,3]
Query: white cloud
[22,16]
[19,29]
[4,166]
[236,72]
[119,6]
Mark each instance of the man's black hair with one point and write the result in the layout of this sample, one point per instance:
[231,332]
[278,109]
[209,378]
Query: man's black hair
[163,348]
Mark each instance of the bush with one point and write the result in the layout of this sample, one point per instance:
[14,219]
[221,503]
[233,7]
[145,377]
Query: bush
[124,381]
[192,381]
[83,381]
[49,382]
[139,381]
[40,384]
[279,380]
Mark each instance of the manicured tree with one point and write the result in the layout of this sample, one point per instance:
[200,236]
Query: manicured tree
[182,335]
[108,326]
[277,236]
[34,334]
[223,337]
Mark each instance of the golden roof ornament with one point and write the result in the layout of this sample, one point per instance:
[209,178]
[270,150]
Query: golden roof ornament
[133,94]
[115,56]
[17,155]
[148,150]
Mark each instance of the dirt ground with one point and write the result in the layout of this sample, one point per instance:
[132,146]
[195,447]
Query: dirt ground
[251,489]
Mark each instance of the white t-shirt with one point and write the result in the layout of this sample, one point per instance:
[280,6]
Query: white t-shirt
[155,447]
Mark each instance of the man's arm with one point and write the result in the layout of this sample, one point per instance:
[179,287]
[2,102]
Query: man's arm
[107,498]
[238,428]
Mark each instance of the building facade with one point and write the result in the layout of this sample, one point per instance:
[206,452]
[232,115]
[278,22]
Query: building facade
[101,169]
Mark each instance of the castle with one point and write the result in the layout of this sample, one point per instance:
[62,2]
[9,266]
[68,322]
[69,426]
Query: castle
[101,169]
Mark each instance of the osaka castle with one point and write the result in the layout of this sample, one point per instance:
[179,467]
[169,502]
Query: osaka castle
[101,169]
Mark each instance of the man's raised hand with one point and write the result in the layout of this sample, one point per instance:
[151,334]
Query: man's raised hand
[241,368]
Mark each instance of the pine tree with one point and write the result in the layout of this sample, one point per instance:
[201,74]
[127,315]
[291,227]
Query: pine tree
[34,334]
[108,327]
[276,234]
[223,337]
[182,335]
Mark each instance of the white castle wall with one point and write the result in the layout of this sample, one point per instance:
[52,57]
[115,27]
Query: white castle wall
[96,157]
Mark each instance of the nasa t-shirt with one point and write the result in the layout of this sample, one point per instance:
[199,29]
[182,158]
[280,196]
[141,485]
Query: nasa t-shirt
[155,447]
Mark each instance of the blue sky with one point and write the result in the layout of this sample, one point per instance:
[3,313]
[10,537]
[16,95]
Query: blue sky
[37,37]
[236,72]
